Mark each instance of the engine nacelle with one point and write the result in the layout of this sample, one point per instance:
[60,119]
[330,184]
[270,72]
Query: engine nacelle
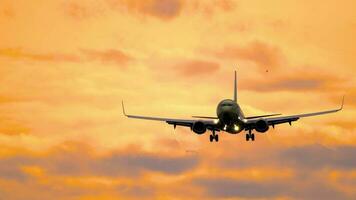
[199,127]
[261,126]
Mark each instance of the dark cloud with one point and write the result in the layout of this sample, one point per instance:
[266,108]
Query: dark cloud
[170,9]
[311,157]
[141,192]
[80,162]
[318,157]
[265,56]
[163,9]
[10,168]
[230,188]
[120,164]
[136,163]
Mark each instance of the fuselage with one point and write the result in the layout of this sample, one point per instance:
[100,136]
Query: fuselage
[230,116]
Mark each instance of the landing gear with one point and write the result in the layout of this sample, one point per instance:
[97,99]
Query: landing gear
[214,137]
[250,135]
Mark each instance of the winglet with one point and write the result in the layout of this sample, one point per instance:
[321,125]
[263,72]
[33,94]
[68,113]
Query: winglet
[342,103]
[123,108]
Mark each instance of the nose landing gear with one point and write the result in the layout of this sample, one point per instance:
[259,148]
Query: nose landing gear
[250,135]
[214,136]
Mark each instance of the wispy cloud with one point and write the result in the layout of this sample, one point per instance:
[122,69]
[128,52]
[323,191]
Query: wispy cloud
[163,9]
[48,57]
[110,55]
[310,80]
[196,68]
[265,56]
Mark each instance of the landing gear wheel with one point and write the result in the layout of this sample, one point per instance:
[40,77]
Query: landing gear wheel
[217,138]
[211,138]
[250,136]
[253,137]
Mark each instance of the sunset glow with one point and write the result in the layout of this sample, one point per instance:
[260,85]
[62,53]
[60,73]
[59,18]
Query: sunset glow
[65,67]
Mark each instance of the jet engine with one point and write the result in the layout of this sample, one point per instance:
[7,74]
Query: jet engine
[199,127]
[261,126]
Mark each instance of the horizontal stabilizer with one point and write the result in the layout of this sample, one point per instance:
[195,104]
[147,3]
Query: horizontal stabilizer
[270,115]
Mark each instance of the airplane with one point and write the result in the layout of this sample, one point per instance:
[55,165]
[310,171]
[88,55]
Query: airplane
[231,119]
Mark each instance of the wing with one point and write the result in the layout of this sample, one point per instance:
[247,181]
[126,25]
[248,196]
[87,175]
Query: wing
[205,117]
[259,116]
[288,119]
[210,124]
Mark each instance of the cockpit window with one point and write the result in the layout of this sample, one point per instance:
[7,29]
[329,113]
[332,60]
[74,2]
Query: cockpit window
[226,104]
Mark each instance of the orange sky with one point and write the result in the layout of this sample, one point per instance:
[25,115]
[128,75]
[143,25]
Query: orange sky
[65,66]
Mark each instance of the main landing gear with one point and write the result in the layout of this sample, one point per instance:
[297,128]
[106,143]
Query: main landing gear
[250,135]
[214,137]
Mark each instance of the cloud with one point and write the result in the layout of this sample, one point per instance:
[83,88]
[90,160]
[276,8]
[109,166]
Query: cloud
[211,7]
[183,69]
[134,163]
[264,55]
[10,168]
[163,9]
[170,9]
[76,160]
[111,55]
[63,84]
[120,165]
[10,126]
[140,192]
[77,10]
[195,68]
[311,80]
[47,57]
[230,188]
[308,157]
[83,9]
[318,156]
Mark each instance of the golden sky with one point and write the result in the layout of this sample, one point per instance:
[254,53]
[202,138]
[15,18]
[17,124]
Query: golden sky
[65,66]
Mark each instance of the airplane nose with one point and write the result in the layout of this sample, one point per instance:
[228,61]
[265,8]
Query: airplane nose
[226,117]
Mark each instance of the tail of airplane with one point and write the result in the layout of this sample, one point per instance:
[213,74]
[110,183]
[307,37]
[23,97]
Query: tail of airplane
[235,88]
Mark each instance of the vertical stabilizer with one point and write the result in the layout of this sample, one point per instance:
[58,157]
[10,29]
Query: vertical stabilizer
[235,88]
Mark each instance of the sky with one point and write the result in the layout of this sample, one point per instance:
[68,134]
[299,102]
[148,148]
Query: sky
[65,67]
